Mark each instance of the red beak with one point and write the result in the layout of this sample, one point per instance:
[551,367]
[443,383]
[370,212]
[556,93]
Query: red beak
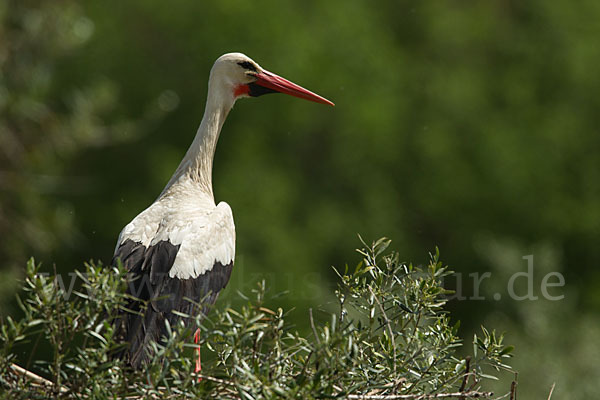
[276,83]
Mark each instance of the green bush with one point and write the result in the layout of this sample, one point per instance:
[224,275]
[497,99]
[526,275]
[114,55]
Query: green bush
[390,336]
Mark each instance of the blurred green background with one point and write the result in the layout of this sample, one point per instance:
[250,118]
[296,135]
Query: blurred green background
[472,126]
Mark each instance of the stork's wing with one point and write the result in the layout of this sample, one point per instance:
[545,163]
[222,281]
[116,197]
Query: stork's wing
[186,263]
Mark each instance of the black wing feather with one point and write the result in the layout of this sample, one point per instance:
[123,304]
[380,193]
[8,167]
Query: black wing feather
[155,295]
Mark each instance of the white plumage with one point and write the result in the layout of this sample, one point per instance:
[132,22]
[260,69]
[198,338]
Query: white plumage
[204,231]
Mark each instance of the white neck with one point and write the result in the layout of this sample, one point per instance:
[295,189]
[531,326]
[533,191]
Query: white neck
[196,166]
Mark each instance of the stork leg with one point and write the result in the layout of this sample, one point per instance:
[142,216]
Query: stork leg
[198,361]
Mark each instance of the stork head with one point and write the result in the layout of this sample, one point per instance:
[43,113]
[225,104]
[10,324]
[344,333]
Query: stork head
[237,75]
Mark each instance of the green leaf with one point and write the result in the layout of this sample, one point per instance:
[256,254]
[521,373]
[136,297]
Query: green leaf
[507,350]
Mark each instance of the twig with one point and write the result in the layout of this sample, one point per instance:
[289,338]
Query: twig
[306,363]
[162,390]
[213,379]
[387,321]
[38,380]
[504,396]
[466,377]
[312,325]
[513,387]
[551,391]
[463,395]
[475,380]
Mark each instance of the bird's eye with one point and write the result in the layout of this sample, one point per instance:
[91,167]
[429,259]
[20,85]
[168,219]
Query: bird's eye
[247,65]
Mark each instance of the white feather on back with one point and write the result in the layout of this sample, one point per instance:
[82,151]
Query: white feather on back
[204,244]
[205,232]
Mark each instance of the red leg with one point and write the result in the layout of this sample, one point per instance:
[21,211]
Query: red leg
[198,363]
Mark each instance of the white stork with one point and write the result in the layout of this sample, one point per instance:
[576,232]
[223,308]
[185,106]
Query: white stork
[182,246]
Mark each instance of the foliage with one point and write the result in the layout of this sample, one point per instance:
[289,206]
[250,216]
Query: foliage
[390,336]
[45,124]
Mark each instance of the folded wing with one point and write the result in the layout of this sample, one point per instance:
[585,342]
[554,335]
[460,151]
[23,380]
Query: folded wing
[174,264]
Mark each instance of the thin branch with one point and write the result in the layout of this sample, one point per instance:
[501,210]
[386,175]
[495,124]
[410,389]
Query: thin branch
[504,396]
[466,377]
[475,380]
[387,321]
[551,391]
[36,379]
[213,379]
[463,395]
[306,363]
[312,325]
[40,381]
[513,388]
